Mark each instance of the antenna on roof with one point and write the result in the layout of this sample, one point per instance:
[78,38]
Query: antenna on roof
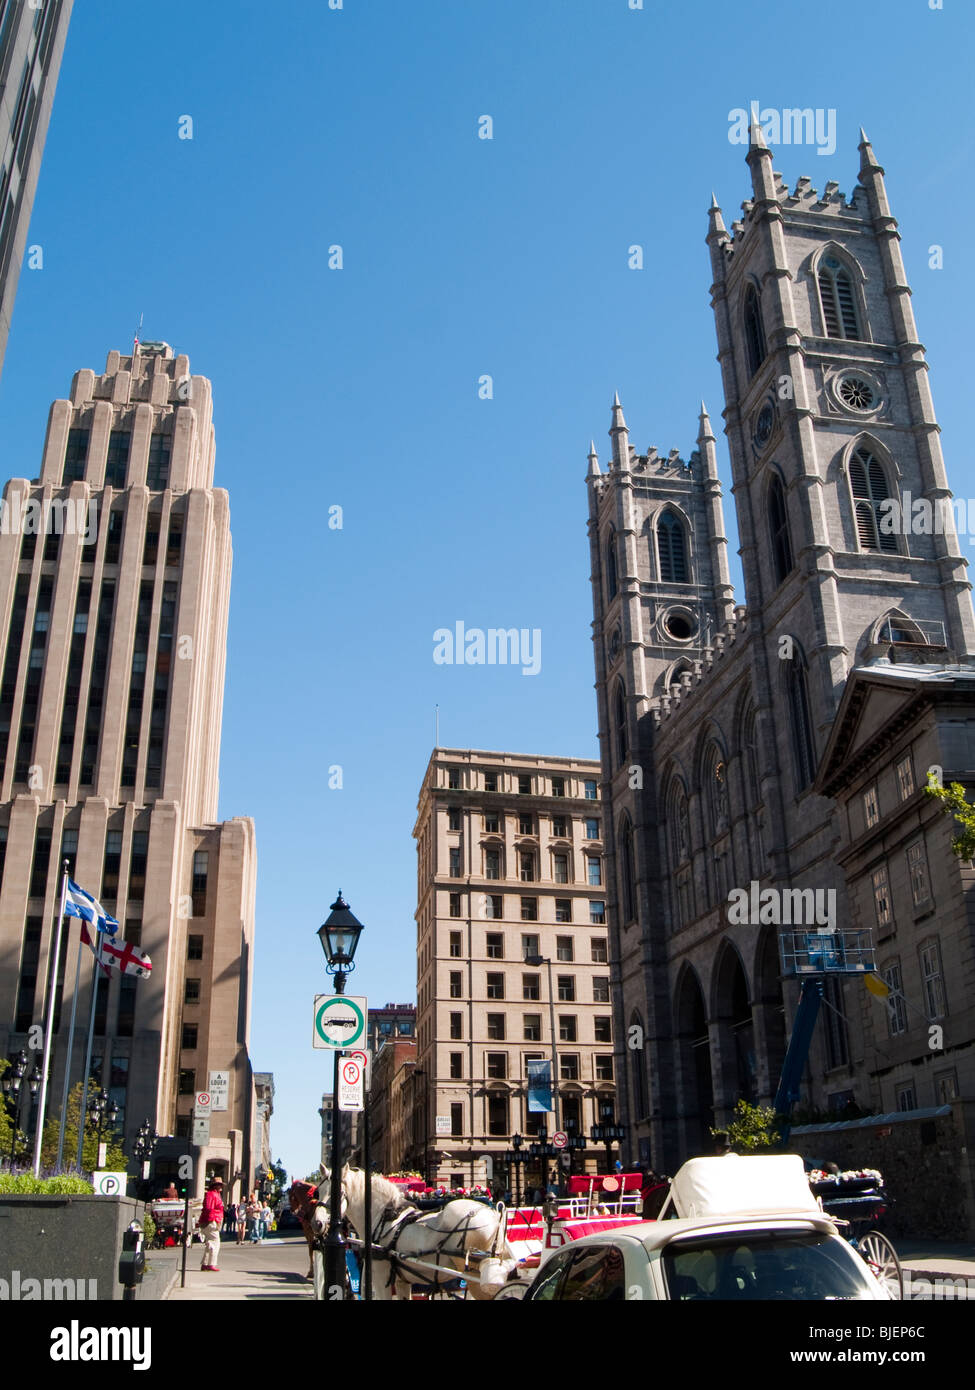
[138,331]
[436,709]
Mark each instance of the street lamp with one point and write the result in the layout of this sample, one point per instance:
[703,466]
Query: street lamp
[339,935]
[12,1084]
[516,1159]
[143,1147]
[101,1107]
[536,961]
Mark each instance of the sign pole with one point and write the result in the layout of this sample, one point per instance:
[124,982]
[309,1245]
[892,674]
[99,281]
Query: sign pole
[70,1053]
[367,1233]
[49,1028]
[91,1034]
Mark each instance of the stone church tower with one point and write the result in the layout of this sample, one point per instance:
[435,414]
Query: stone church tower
[713,718]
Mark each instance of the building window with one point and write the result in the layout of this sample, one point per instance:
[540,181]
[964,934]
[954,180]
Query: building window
[75,455]
[456,948]
[456,1026]
[529,946]
[803,753]
[194,948]
[192,992]
[564,948]
[558,786]
[455,862]
[881,896]
[187,1082]
[612,580]
[498,1114]
[602,1028]
[116,466]
[495,985]
[590,791]
[838,298]
[932,980]
[594,872]
[561,867]
[157,474]
[946,1087]
[455,904]
[526,825]
[917,866]
[896,1005]
[524,786]
[905,777]
[492,863]
[490,781]
[778,520]
[559,827]
[600,989]
[604,1067]
[497,1066]
[868,484]
[906,1098]
[529,909]
[598,953]
[190,1032]
[566,987]
[569,1066]
[456,984]
[671,549]
[754,331]
[592,828]
[453,779]
[527,863]
[456,1066]
[453,818]
[530,988]
[533,1027]
[567,1028]
[871,807]
[494,905]
[492,823]
[201,861]
[495,1027]
[620,712]
[563,909]
[495,946]
[597,914]
[456,1118]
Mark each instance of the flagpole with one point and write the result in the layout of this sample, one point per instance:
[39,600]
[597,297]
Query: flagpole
[91,1033]
[49,1029]
[70,1053]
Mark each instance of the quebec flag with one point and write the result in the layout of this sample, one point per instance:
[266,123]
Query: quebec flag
[78,903]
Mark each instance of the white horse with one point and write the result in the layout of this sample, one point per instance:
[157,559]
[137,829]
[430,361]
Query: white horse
[464,1238]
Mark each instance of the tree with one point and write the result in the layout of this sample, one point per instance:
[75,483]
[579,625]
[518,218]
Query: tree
[115,1157]
[953,803]
[751,1128]
[6,1124]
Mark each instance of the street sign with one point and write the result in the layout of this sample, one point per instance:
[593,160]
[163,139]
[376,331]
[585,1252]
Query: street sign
[201,1131]
[350,1084]
[108,1184]
[559,1139]
[220,1090]
[443,1124]
[340,1021]
[202,1106]
[566,1160]
[361,1055]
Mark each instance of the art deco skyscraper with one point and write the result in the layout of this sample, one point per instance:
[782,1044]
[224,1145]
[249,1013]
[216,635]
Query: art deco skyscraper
[114,622]
[31,43]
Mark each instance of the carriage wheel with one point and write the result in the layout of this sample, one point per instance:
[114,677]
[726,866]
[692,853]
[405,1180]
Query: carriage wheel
[881,1256]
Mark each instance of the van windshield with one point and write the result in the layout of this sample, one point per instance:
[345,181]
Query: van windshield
[765,1265]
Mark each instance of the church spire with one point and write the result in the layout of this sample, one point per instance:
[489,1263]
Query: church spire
[620,435]
[594,469]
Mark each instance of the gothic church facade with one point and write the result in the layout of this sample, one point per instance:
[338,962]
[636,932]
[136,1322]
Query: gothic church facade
[785,743]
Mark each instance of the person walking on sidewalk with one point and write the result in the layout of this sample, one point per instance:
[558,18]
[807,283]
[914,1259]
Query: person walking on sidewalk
[211,1219]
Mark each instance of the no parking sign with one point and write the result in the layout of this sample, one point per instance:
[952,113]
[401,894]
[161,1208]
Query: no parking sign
[350,1084]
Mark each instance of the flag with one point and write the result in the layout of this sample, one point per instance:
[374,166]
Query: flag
[86,938]
[539,1086]
[129,959]
[78,903]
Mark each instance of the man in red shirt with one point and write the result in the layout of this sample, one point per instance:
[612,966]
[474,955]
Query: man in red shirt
[211,1219]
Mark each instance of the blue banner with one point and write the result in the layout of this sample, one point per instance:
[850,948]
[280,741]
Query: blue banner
[539,1086]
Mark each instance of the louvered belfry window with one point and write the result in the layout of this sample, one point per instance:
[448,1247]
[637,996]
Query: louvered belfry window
[754,331]
[671,549]
[838,300]
[869,486]
[779,531]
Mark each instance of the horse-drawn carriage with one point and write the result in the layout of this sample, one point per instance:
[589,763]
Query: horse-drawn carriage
[169,1213]
[857,1201]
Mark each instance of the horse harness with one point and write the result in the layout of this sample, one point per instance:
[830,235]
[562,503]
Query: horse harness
[393,1221]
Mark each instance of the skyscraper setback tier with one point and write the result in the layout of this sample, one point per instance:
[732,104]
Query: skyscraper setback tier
[111,696]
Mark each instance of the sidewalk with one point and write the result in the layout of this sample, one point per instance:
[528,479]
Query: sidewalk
[275,1269]
[935,1259]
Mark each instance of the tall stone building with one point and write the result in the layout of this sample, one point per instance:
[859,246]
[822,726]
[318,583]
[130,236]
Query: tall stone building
[114,598]
[32,41]
[509,865]
[786,743]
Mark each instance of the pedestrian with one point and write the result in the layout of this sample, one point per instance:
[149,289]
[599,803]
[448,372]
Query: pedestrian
[267,1216]
[211,1219]
[253,1219]
[241,1211]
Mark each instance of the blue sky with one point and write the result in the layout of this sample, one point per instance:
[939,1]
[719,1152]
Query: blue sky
[358,387]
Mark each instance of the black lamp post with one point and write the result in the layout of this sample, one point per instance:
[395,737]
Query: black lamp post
[143,1148]
[12,1085]
[339,935]
[101,1107]
[608,1133]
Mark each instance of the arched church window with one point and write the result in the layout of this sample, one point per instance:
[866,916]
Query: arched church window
[620,713]
[868,483]
[680,839]
[716,789]
[627,894]
[754,331]
[611,579]
[778,520]
[838,299]
[671,549]
[641,1093]
[800,723]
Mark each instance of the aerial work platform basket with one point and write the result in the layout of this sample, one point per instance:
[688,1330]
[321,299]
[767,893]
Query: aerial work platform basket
[806,953]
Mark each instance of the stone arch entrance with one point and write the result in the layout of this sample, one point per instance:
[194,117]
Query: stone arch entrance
[694,1081]
[737,1067]
[769,1015]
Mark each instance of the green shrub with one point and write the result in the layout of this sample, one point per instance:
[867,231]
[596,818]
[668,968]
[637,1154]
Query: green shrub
[25,1183]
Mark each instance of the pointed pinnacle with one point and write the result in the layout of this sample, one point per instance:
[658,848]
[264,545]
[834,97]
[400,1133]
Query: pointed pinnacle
[618,422]
[756,135]
[864,137]
[715,220]
[592,449]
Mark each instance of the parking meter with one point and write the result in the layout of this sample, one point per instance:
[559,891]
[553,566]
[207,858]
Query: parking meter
[132,1261]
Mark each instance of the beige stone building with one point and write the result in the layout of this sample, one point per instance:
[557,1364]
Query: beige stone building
[114,596]
[509,865]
